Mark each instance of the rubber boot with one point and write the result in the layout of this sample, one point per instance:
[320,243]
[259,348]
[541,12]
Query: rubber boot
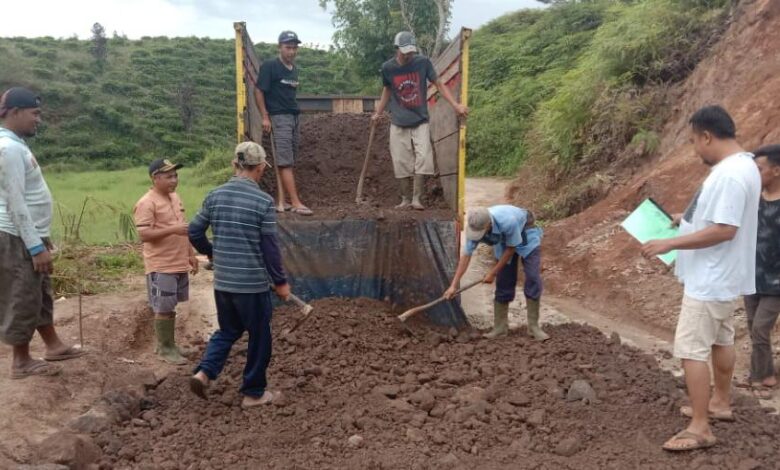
[534,330]
[166,346]
[500,320]
[405,188]
[419,185]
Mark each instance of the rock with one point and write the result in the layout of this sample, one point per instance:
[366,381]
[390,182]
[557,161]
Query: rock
[449,461]
[568,447]
[415,435]
[470,394]
[423,399]
[139,423]
[749,464]
[94,421]
[454,378]
[76,451]
[125,404]
[316,371]
[519,399]
[536,417]
[614,338]
[390,391]
[355,441]
[581,390]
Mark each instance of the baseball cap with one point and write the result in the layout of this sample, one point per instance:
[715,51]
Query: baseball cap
[288,36]
[405,42]
[162,165]
[250,153]
[18,97]
[477,224]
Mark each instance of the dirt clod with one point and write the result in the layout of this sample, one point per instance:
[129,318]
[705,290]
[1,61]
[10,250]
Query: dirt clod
[581,390]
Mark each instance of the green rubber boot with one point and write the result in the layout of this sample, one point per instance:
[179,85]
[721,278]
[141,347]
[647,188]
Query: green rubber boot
[534,330]
[500,320]
[166,348]
[405,188]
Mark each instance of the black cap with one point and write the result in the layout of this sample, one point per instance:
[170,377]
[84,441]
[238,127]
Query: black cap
[162,165]
[288,36]
[18,97]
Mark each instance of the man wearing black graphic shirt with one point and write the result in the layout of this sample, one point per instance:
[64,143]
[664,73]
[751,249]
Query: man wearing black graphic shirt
[405,79]
[763,307]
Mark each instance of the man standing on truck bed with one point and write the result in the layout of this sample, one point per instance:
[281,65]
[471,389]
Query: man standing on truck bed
[405,78]
[277,84]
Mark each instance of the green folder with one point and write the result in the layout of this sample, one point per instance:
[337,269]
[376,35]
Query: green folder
[651,222]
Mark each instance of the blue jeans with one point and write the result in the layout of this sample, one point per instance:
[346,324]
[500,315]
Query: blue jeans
[506,281]
[237,313]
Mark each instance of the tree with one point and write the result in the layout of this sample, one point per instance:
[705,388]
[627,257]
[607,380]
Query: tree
[366,28]
[185,102]
[99,47]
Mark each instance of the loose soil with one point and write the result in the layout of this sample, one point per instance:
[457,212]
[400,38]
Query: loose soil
[441,400]
[332,152]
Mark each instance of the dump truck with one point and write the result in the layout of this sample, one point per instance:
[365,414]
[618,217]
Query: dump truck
[367,249]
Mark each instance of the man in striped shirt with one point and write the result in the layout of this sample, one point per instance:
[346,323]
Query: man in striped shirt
[246,260]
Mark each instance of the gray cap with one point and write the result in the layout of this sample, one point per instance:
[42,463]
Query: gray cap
[477,223]
[250,153]
[405,42]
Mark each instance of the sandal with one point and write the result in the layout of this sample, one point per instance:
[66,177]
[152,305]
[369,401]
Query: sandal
[698,442]
[763,392]
[727,416]
[267,398]
[198,387]
[71,353]
[36,367]
[286,207]
[301,210]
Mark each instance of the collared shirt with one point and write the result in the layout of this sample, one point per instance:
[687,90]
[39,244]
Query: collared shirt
[25,199]
[508,229]
[170,254]
[242,218]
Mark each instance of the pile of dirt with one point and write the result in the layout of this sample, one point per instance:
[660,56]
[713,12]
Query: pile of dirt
[332,152]
[357,392]
[591,256]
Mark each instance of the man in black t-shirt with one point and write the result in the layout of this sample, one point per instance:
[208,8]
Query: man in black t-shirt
[277,84]
[405,79]
[763,307]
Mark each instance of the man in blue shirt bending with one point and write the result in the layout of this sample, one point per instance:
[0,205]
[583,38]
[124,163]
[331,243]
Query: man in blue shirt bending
[515,240]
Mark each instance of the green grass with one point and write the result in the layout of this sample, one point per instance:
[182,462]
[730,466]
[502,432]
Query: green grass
[109,194]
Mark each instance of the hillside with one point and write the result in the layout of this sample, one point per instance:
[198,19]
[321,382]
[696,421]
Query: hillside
[589,256]
[130,110]
[570,86]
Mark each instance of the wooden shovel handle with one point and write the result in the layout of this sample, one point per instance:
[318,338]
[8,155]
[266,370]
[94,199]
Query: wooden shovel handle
[413,311]
[359,196]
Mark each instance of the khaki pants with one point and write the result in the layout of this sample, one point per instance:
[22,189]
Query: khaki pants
[702,325]
[411,150]
[26,299]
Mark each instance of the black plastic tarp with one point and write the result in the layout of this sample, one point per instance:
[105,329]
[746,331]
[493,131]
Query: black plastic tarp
[407,262]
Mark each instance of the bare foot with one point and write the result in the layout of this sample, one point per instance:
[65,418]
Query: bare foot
[199,383]
[266,399]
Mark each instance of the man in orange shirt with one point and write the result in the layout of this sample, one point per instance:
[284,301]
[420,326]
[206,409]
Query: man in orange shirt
[168,256]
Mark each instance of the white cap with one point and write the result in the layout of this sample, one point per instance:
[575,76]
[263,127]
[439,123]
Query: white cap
[477,224]
[405,42]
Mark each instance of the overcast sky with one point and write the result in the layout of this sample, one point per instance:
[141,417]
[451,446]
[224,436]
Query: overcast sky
[212,18]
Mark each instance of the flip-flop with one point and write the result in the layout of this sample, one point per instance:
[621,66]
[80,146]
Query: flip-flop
[198,387]
[285,208]
[699,442]
[36,367]
[262,402]
[727,416]
[301,210]
[71,353]
[763,392]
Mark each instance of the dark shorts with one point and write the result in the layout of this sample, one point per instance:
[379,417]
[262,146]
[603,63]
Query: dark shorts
[167,290]
[287,137]
[26,298]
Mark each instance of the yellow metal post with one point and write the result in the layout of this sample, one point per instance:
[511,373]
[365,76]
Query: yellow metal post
[240,84]
[465,35]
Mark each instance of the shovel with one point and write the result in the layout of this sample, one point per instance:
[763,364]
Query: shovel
[306,309]
[414,311]
[359,198]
